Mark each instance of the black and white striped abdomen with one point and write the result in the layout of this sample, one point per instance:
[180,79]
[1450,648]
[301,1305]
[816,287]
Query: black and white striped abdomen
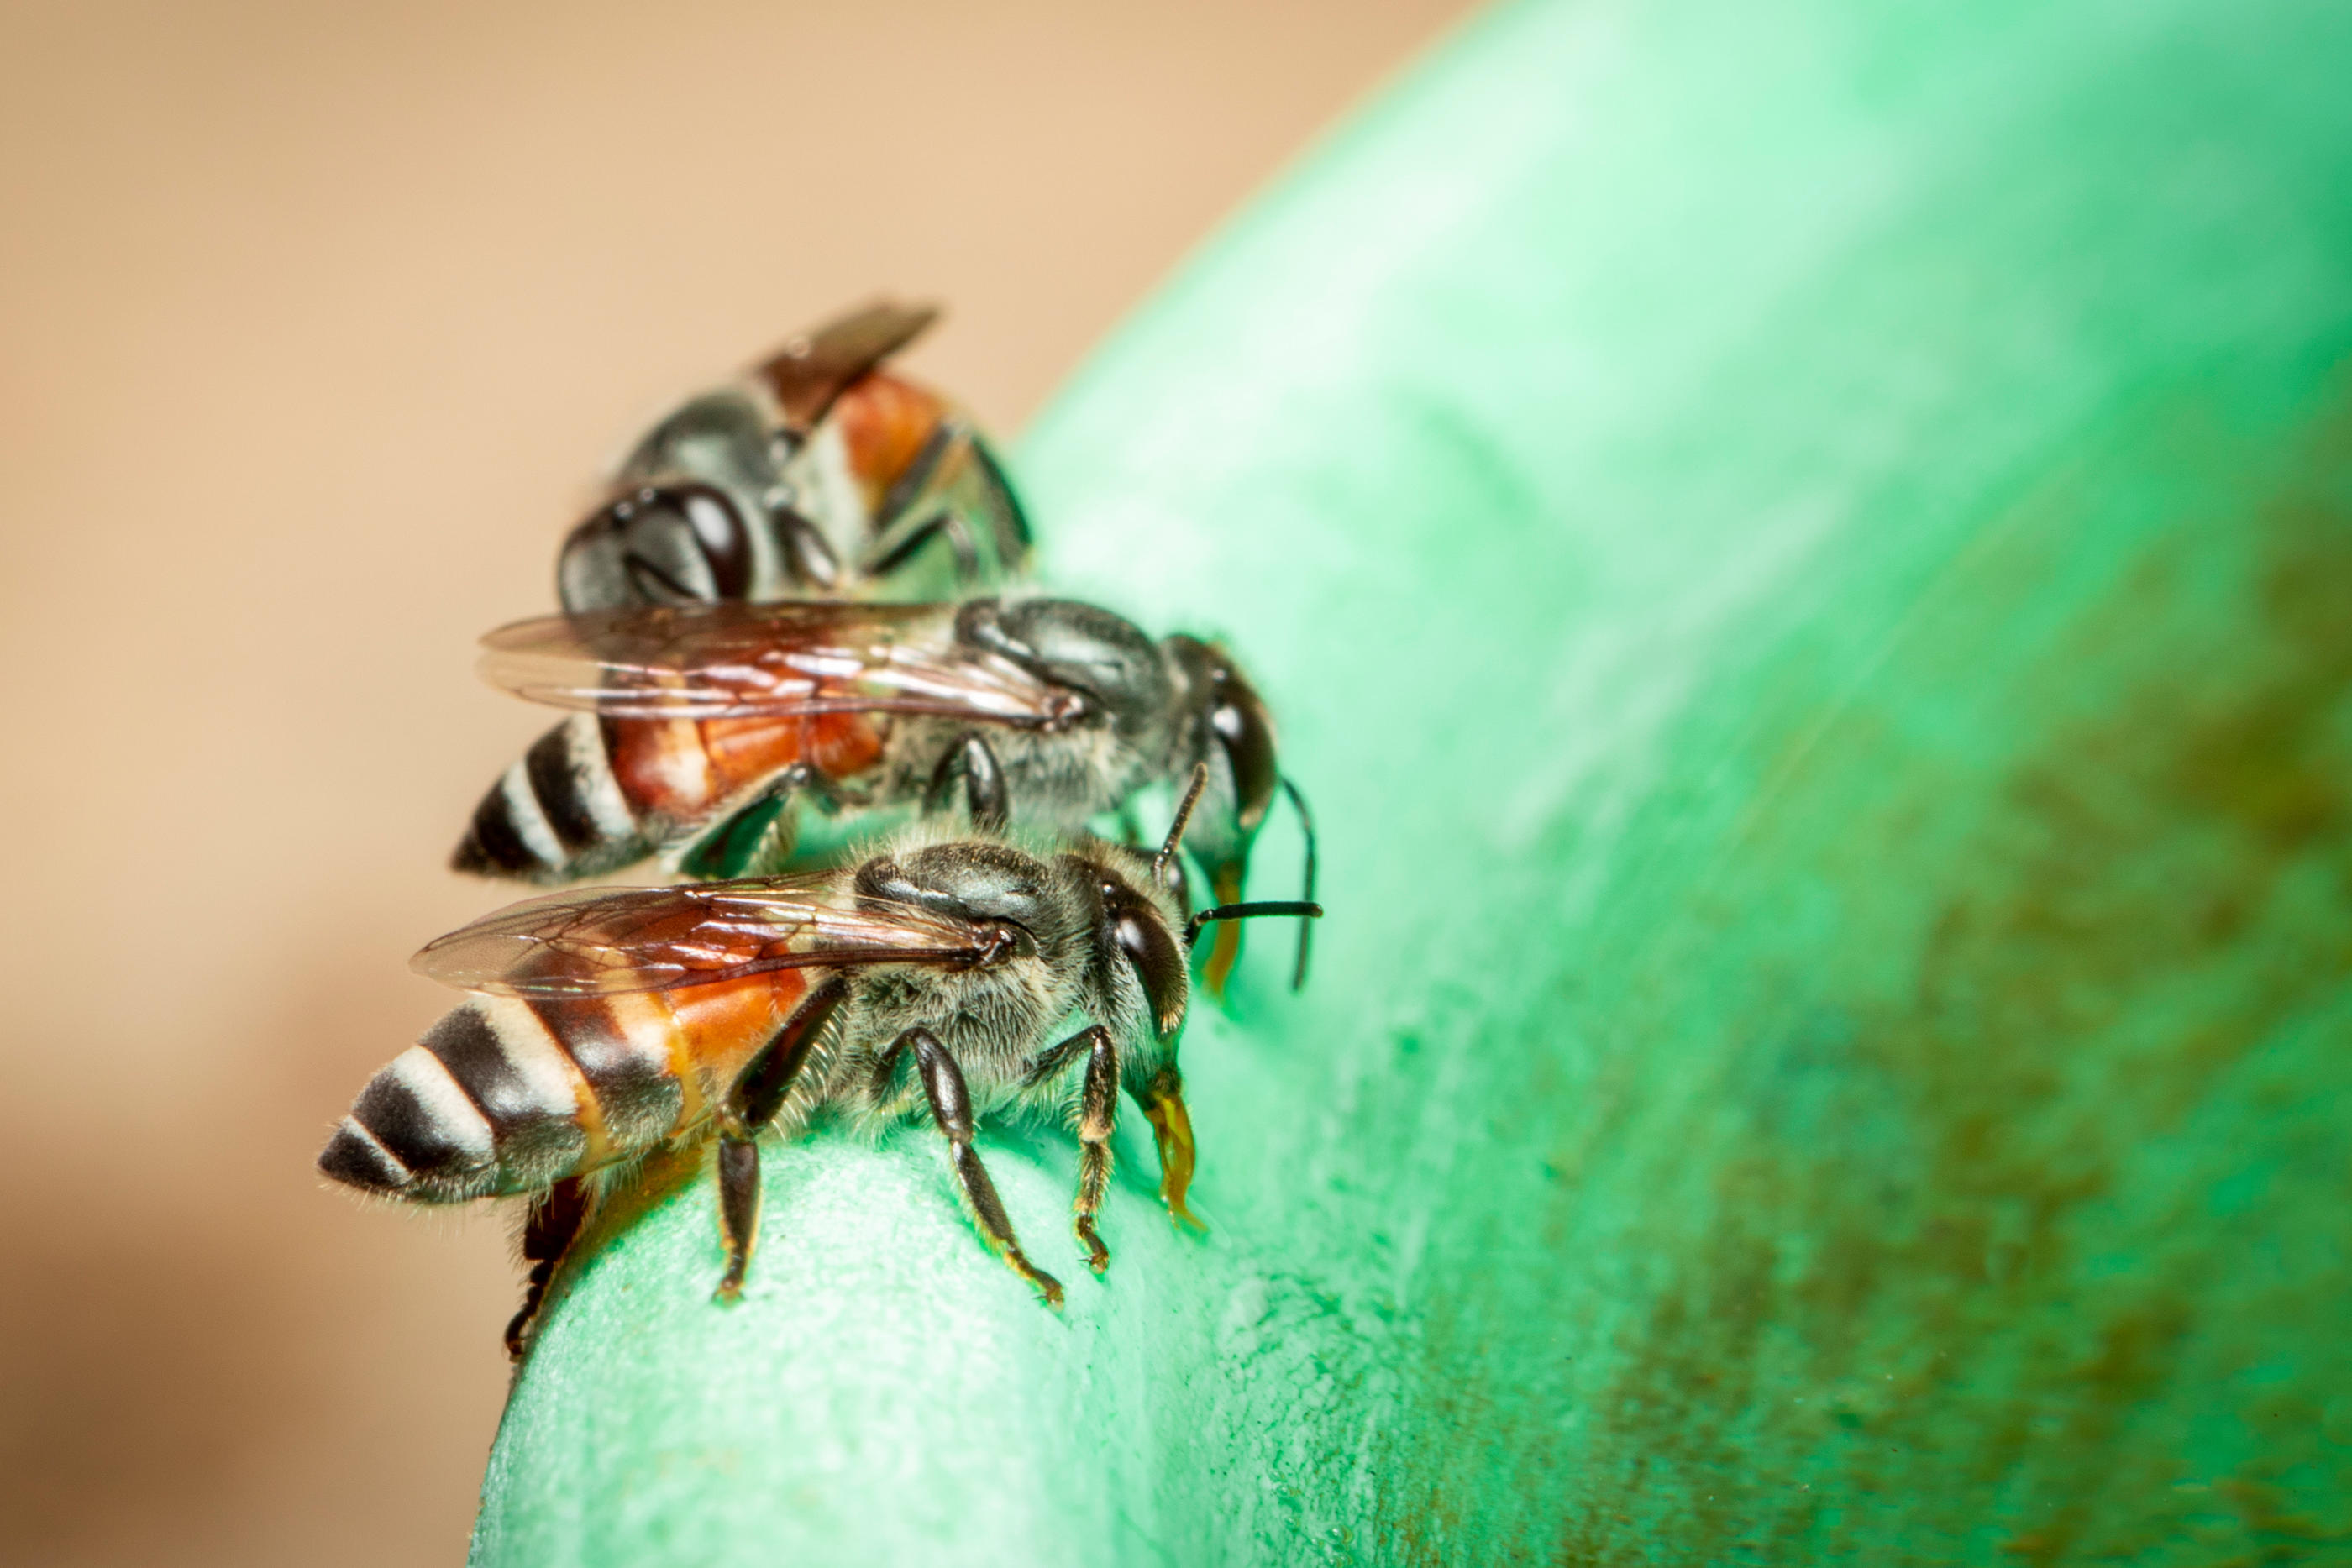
[557,815]
[506,1096]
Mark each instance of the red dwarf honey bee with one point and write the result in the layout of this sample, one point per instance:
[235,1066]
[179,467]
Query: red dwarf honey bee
[818,474]
[608,1023]
[704,727]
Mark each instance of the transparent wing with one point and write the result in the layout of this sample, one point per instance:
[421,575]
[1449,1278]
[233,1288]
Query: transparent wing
[807,373]
[775,661]
[606,941]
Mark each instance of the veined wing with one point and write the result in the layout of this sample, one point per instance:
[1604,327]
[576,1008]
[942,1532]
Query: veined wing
[774,660]
[601,942]
[807,373]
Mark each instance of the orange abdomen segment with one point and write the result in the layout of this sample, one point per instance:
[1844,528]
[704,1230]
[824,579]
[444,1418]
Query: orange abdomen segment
[715,1029]
[744,751]
[661,767]
[657,1064]
[884,422]
[684,769]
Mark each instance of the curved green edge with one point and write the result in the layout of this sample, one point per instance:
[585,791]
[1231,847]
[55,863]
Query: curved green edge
[1805,564]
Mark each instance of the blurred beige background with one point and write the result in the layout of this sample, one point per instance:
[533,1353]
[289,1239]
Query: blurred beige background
[316,323]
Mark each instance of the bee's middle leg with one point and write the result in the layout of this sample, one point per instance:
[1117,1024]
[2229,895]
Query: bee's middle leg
[950,1103]
[971,761]
[757,1094]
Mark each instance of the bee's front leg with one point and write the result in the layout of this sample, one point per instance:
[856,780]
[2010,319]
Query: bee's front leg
[902,542]
[899,531]
[950,1103]
[1097,1118]
[757,1094]
[755,838]
[972,761]
[807,555]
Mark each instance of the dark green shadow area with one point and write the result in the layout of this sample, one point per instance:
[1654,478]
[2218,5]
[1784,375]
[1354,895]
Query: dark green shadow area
[1806,563]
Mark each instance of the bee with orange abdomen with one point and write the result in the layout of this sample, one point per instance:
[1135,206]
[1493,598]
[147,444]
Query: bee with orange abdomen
[818,474]
[610,1023]
[706,727]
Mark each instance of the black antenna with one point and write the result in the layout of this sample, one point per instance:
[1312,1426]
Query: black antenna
[1297,906]
[1176,829]
[1306,931]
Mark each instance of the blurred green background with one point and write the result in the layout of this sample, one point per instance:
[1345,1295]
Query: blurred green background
[1804,554]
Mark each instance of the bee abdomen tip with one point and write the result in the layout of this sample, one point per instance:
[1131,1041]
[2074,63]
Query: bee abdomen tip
[356,1159]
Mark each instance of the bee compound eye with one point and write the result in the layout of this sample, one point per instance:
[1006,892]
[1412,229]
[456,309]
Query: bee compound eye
[1158,965]
[719,532]
[1246,733]
[674,544]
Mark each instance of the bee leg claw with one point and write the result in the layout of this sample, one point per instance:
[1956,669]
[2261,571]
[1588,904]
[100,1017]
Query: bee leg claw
[1098,1255]
[1049,1289]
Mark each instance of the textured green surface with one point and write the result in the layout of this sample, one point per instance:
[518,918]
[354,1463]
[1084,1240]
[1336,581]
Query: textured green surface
[1807,562]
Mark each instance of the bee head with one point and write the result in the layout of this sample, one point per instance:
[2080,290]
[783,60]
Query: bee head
[680,531]
[1226,726]
[662,544]
[1141,927]
[1106,661]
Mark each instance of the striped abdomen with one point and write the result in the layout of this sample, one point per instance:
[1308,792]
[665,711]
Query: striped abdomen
[593,794]
[507,1096]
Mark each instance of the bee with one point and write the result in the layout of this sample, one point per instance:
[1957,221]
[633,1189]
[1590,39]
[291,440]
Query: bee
[701,729]
[816,474]
[607,1024]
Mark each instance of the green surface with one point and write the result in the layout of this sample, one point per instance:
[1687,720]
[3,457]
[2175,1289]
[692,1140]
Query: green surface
[1806,561]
